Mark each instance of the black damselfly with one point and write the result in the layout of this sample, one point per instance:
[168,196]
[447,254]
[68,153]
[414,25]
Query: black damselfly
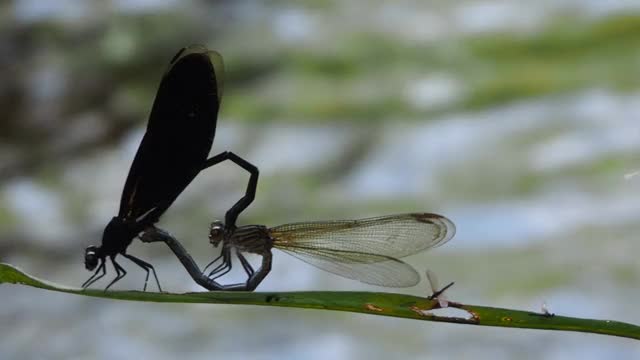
[173,151]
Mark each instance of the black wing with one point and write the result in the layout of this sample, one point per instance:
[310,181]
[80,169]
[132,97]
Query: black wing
[366,250]
[179,135]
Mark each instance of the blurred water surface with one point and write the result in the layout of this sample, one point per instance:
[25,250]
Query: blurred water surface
[517,120]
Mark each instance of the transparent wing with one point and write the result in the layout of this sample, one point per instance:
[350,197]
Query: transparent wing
[366,250]
[433,281]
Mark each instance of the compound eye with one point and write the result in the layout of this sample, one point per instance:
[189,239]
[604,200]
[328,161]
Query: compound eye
[216,232]
[91,257]
[90,260]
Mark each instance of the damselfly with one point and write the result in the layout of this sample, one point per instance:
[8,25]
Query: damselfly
[173,151]
[367,250]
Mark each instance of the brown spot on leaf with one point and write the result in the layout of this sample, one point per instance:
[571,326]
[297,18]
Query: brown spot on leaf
[419,311]
[372,307]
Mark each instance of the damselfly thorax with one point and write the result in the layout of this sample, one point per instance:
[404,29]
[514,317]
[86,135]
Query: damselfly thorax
[252,239]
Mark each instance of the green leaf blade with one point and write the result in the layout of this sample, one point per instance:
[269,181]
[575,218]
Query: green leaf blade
[373,303]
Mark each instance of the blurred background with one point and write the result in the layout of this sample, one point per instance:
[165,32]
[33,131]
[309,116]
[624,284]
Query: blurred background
[518,120]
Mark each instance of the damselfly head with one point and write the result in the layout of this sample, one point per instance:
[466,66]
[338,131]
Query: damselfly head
[216,233]
[91,257]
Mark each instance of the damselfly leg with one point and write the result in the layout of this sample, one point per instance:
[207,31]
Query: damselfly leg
[246,265]
[120,272]
[102,270]
[147,267]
